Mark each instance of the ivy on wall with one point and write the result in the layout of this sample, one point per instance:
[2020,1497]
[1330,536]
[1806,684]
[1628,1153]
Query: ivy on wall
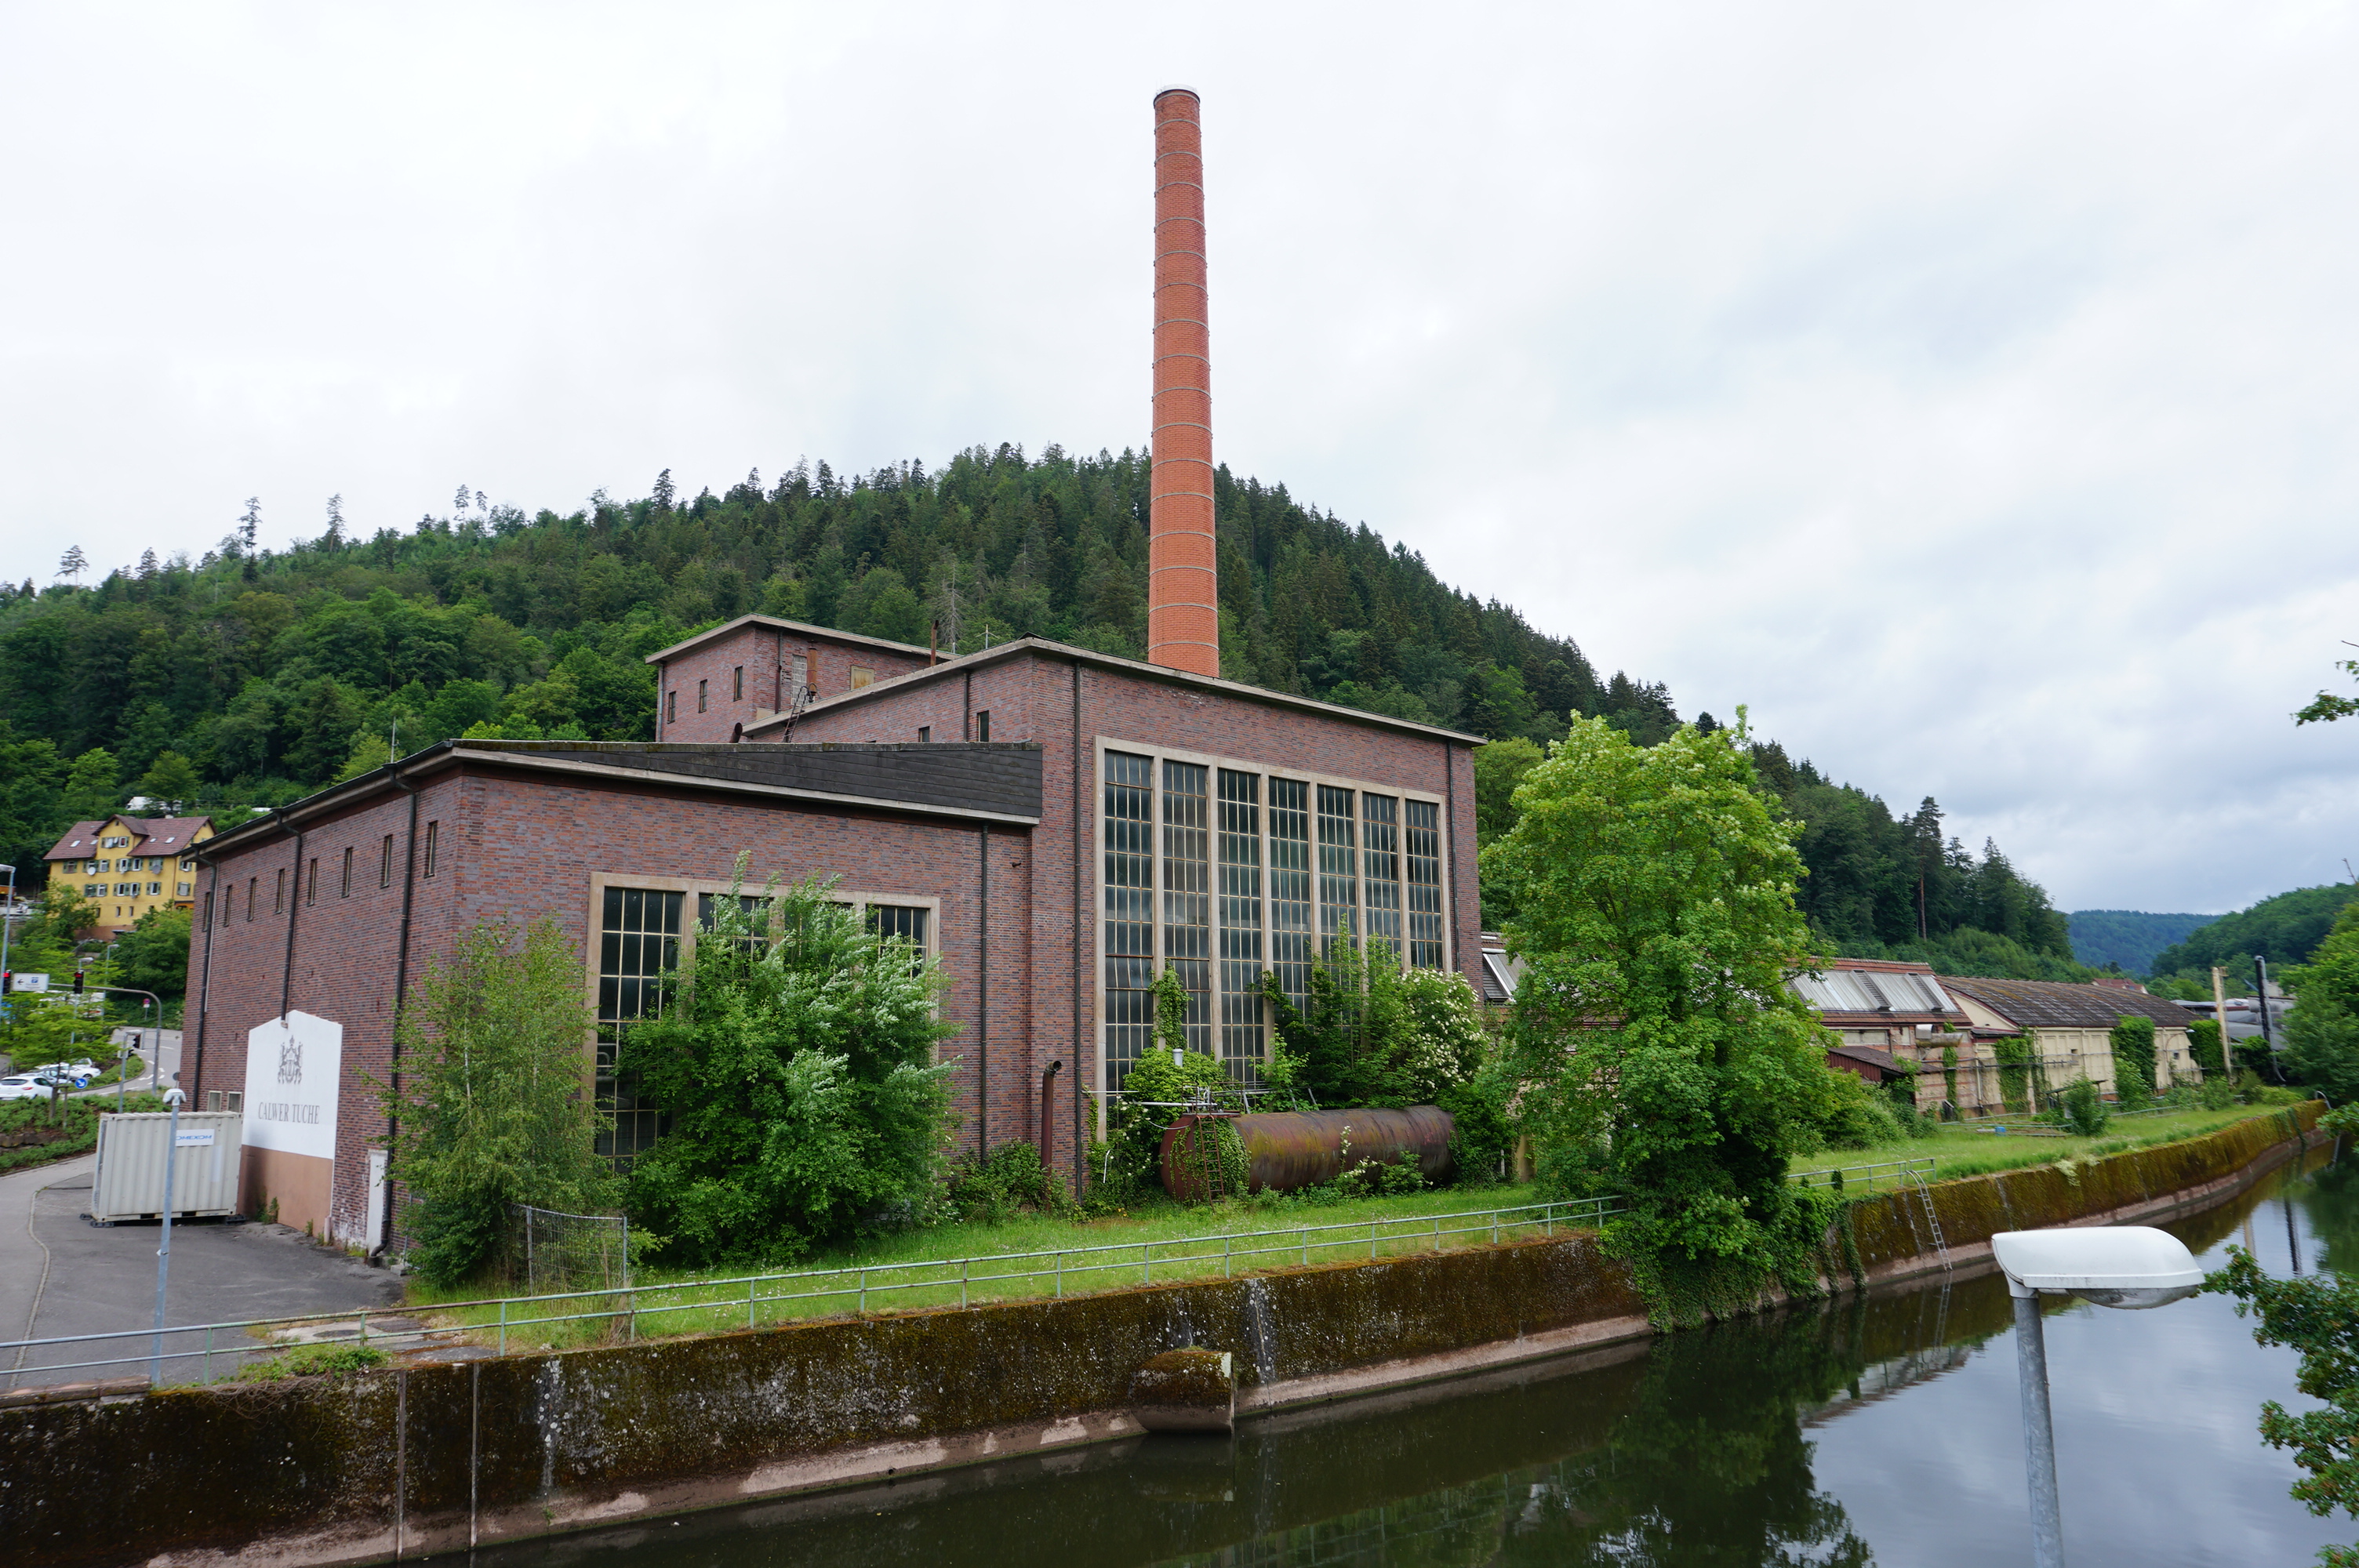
[2133,1043]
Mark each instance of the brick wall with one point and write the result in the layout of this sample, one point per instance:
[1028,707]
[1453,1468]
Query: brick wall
[517,846]
[1032,696]
[765,651]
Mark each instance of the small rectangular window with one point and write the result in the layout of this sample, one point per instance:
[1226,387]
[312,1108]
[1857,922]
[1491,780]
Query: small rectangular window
[700,696]
[311,882]
[213,1099]
[862,675]
[237,1098]
[433,842]
[384,865]
[983,725]
[229,901]
[671,707]
[347,890]
[925,733]
[278,893]
[801,675]
[250,882]
[737,684]
[209,909]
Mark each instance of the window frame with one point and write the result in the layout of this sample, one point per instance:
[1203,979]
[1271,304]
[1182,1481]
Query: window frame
[1101,744]
[433,848]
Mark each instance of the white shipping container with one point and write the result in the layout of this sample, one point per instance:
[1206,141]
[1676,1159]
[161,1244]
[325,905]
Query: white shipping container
[131,1148]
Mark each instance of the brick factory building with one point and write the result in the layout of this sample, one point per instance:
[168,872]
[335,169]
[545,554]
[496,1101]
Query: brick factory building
[1059,826]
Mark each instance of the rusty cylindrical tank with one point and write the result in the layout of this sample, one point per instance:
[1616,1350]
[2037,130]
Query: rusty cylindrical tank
[1287,1151]
[1183,618]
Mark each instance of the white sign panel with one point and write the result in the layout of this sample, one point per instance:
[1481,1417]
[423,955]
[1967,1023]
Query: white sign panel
[193,1138]
[293,1067]
[32,982]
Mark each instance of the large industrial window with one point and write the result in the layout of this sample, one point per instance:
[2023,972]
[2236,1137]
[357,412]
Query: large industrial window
[639,940]
[1240,845]
[1129,826]
[1380,845]
[1187,896]
[1338,894]
[1218,875]
[1424,884]
[1290,887]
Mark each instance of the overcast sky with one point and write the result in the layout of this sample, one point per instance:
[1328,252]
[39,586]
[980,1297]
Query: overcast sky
[1968,390]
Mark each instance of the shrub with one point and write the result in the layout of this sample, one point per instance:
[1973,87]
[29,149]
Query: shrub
[1154,1093]
[491,1112]
[1854,1116]
[2203,1045]
[796,1058]
[2083,1110]
[2217,1093]
[992,1191]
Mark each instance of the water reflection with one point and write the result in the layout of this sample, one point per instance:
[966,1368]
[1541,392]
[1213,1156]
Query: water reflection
[1885,1428]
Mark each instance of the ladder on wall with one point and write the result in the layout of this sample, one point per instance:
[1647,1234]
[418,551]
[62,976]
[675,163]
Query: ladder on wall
[1932,1219]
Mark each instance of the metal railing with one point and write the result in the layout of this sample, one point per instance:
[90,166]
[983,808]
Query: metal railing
[1843,1178]
[630,1310]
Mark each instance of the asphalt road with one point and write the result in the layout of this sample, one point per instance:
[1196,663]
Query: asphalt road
[61,1275]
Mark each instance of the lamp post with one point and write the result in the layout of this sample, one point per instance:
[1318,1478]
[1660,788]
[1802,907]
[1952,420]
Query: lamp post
[2127,1266]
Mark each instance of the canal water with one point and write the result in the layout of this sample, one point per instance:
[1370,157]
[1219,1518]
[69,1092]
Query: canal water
[1884,1430]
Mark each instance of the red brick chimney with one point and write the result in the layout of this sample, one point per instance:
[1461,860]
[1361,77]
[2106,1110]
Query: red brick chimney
[1183,618]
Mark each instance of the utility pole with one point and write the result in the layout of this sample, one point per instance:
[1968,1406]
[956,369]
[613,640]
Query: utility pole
[2220,1013]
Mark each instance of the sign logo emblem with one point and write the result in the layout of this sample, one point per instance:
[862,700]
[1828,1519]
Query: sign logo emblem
[290,1059]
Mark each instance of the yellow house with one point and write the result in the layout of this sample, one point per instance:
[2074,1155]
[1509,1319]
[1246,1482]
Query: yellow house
[129,865]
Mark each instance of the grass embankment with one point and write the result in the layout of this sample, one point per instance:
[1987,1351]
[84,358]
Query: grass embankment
[1967,1150]
[1167,1242]
[920,1269]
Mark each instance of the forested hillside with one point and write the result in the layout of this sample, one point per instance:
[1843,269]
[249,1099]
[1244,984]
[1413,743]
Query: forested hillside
[251,676]
[2129,939]
[2285,929]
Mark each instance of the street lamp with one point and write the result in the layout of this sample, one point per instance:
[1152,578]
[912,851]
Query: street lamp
[2127,1266]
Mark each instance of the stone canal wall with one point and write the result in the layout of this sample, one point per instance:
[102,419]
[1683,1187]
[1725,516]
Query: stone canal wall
[408,1462]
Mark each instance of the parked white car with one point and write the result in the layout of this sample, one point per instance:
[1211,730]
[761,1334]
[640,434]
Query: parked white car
[24,1085]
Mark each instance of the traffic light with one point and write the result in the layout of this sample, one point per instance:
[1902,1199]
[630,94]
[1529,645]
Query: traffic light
[7,982]
[77,982]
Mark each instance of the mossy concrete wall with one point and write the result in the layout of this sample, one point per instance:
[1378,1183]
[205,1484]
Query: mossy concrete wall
[400,1463]
[1894,1232]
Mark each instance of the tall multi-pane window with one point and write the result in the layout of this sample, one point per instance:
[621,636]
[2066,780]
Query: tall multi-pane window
[1129,826]
[1240,909]
[639,940]
[1380,856]
[1338,894]
[1424,883]
[1290,887]
[1220,875]
[1188,895]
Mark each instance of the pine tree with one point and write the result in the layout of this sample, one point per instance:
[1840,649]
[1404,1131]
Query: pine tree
[249,526]
[73,563]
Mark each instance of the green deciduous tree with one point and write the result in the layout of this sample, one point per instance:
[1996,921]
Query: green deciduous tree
[2326,707]
[2322,1031]
[494,1109]
[794,1056]
[1666,1060]
[2318,1316]
[154,953]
